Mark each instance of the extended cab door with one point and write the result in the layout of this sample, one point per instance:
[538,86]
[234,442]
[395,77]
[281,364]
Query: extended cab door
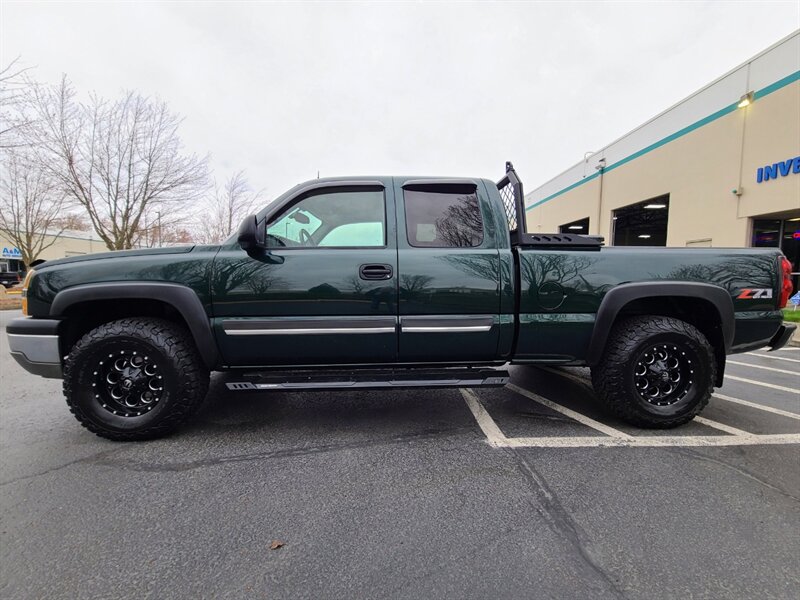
[449,266]
[324,292]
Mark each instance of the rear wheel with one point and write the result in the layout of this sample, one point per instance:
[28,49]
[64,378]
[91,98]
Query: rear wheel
[656,372]
[134,379]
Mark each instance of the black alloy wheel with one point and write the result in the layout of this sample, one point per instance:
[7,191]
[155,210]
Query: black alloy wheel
[129,383]
[135,378]
[664,374]
[656,372]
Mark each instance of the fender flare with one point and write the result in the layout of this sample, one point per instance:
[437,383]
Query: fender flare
[180,297]
[616,298]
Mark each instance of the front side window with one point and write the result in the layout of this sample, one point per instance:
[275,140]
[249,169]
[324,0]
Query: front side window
[342,219]
[443,219]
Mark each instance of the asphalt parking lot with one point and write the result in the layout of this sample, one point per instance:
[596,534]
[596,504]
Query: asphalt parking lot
[526,491]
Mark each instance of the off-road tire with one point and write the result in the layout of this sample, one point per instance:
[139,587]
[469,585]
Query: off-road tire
[615,380]
[171,351]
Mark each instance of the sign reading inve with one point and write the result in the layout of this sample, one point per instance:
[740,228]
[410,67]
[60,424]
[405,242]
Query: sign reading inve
[12,253]
[779,169]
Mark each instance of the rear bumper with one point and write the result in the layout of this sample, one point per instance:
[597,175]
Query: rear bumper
[34,345]
[782,337]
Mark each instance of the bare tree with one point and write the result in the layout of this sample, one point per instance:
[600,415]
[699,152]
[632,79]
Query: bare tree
[120,160]
[72,222]
[30,205]
[12,118]
[225,208]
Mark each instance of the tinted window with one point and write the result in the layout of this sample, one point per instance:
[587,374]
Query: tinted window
[443,219]
[347,219]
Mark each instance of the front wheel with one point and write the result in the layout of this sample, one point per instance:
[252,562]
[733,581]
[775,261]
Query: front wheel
[656,372]
[134,379]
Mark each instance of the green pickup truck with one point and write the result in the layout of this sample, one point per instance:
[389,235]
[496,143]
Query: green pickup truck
[387,282]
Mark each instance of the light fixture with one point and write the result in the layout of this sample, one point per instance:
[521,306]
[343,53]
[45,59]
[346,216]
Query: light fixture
[645,236]
[793,220]
[745,100]
[576,227]
[652,206]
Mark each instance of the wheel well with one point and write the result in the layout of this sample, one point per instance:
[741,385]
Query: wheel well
[81,318]
[696,311]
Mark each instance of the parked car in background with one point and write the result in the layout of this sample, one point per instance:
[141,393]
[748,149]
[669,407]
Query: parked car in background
[11,278]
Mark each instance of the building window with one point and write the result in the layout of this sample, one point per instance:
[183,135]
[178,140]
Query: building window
[643,223]
[783,234]
[581,227]
[766,233]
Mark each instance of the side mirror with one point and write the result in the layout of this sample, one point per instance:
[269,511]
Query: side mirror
[251,236]
[300,218]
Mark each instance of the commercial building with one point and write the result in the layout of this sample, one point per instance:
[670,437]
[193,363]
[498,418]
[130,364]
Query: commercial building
[65,243]
[720,168]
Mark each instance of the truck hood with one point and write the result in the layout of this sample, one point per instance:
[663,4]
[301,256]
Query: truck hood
[115,254]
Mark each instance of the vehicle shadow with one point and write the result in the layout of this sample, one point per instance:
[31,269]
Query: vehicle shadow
[326,413]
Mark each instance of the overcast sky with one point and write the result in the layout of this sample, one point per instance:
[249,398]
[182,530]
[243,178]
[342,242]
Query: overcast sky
[285,90]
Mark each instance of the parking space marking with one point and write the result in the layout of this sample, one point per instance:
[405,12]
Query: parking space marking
[497,439]
[494,435]
[773,386]
[672,441]
[773,357]
[576,416]
[720,426]
[777,411]
[700,420]
[743,364]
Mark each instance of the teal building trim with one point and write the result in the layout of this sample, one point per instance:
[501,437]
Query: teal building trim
[680,133]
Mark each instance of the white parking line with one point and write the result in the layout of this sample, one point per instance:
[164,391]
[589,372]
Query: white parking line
[679,441]
[703,420]
[777,411]
[773,357]
[742,364]
[494,435]
[721,426]
[773,386]
[580,418]
[497,439]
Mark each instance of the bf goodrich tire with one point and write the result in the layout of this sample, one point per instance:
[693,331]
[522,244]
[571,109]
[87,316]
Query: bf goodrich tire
[134,379]
[656,372]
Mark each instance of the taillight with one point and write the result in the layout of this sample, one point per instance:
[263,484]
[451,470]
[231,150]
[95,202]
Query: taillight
[786,285]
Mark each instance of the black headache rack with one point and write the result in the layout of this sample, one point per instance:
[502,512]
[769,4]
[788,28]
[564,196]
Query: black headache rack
[510,189]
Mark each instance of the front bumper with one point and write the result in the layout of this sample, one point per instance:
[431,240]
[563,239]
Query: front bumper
[34,345]
[782,337]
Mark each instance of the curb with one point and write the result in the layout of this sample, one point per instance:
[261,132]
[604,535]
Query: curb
[795,341]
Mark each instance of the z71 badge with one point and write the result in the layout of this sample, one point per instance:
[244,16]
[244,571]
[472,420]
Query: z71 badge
[755,294]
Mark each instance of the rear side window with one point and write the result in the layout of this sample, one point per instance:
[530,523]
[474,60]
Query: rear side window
[443,218]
